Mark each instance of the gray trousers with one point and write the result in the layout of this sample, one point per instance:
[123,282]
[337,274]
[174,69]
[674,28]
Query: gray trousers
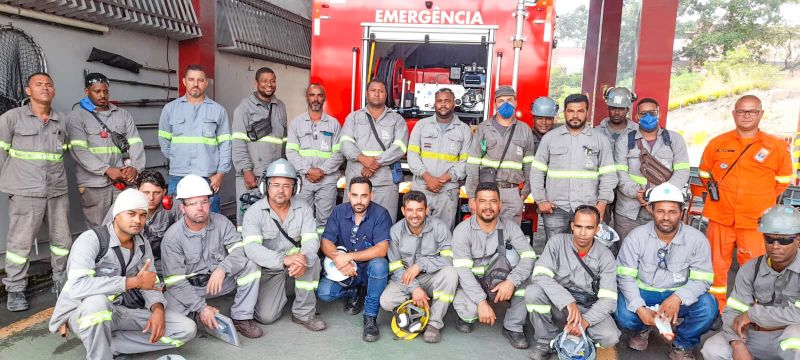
[548,322]
[272,294]
[443,205]
[241,189]
[467,310]
[512,204]
[321,197]
[26,215]
[440,287]
[244,301]
[762,345]
[623,225]
[95,202]
[107,330]
[557,222]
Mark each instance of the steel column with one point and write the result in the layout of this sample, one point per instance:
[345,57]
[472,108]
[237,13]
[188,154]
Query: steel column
[200,51]
[602,53]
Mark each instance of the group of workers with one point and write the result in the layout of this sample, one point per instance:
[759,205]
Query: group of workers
[138,280]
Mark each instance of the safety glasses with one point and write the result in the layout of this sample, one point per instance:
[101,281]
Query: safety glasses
[662,257]
[782,240]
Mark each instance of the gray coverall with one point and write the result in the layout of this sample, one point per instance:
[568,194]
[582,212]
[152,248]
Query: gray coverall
[265,245]
[32,174]
[154,229]
[556,274]
[185,254]
[91,305]
[572,170]
[431,252]
[628,212]
[357,138]
[436,151]
[772,303]
[486,151]
[256,155]
[473,249]
[316,145]
[195,139]
[95,154]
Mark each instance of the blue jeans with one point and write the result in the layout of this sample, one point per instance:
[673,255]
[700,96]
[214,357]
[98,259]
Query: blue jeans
[173,185]
[375,277]
[697,318]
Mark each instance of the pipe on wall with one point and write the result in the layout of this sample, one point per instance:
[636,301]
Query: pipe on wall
[55,19]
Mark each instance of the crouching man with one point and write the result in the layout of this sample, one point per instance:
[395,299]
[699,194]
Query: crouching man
[113,305]
[420,261]
[578,277]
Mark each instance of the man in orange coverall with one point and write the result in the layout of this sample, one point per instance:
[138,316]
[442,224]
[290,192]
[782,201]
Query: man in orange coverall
[751,169]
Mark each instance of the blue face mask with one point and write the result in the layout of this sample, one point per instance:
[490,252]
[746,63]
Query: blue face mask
[648,122]
[506,110]
[87,104]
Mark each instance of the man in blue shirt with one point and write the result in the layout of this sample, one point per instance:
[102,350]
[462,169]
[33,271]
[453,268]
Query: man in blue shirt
[195,135]
[362,229]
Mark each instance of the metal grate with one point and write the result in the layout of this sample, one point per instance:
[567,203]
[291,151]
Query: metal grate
[261,30]
[175,19]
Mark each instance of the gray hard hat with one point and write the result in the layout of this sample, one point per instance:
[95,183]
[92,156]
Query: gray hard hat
[544,106]
[619,97]
[280,168]
[780,220]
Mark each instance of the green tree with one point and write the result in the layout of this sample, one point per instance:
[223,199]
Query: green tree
[715,27]
[572,26]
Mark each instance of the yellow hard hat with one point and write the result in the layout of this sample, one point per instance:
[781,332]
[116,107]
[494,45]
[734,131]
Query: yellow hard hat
[409,320]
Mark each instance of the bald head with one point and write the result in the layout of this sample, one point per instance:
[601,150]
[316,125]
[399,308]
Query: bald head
[747,114]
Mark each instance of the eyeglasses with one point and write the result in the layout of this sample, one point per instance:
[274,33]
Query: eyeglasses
[750,113]
[651,112]
[662,257]
[784,241]
[198,202]
[277,186]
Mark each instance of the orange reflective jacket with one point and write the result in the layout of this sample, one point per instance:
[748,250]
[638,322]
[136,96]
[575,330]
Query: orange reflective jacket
[762,174]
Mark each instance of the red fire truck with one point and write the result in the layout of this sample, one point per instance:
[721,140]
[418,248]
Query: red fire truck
[416,47]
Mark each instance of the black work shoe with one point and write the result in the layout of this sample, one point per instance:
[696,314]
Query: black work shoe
[516,338]
[541,351]
[463,326]
[16,301]
[355,303]
[371,331]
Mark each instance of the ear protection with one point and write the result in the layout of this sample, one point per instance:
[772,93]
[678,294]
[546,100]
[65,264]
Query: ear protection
[411,320]
[297,184]
[166,202]
[608,91]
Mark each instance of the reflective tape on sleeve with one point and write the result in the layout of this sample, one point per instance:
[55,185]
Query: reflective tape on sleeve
[541,270]
[605,293]
[737,305]
[626,271]
[247,279]
[395,265]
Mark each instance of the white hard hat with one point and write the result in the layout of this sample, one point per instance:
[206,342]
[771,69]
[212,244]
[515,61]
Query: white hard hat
[606,235]
[331,272]
[191,186]
[665,192]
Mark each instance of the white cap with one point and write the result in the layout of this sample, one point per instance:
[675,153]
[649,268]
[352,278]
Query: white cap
[130,199]
[191,186]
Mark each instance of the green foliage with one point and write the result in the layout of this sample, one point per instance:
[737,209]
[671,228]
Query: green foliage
[563,84]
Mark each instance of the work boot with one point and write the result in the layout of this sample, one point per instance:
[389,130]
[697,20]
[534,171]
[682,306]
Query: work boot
[463,326]
[516,338]
[313,324]
[607,353]
[248,328]
[355,303]
[540,351]
[371,331]
[16,301]
[640,340]
[677,353]
[432,335]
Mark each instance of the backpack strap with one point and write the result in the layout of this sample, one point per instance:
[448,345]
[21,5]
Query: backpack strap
[631,140]
[665,137]
[103,238]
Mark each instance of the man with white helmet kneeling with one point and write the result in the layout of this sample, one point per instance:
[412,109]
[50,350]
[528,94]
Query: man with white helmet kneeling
[112,303]
[664,273]
[576,275]
[280,236]
[762,316]
[203,257]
